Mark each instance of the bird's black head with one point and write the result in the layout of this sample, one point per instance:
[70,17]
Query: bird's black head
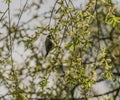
[49,37]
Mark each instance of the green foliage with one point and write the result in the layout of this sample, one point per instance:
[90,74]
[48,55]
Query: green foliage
[114,21]
[8,1]
[86,51]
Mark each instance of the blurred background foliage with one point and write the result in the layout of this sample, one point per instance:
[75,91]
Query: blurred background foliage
[86,50]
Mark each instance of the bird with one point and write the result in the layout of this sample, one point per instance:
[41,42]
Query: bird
[48,44]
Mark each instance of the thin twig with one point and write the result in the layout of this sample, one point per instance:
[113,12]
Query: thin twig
[3,14]
[109,92]
[20,16]
[9,34]
[98,31]
[52,12]
[21,13]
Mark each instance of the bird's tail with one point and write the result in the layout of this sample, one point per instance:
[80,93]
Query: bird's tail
[46,54]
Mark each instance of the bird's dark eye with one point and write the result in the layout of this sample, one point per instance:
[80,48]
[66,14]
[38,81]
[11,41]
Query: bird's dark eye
[49,36]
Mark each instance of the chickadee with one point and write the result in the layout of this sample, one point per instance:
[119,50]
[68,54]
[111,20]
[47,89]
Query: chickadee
[48,44]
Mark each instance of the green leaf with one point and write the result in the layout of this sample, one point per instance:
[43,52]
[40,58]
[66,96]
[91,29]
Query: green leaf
[114,21]
[43,83]
[8,1]
[72,48]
